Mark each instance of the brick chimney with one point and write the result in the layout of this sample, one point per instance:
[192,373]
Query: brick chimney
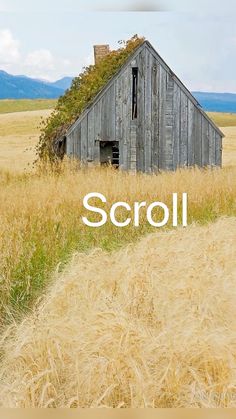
[100,51]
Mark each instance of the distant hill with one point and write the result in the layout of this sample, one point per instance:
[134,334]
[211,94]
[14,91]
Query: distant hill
[22,87]
[63,83]
[216,102]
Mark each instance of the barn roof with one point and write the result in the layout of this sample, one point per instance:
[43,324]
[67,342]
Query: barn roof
[152,50]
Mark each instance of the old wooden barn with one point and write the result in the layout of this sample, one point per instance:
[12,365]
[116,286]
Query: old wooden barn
[144,119]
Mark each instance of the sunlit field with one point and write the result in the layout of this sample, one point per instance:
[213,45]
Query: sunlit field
[145,321]
[152,325]
[19,134]
[23,105]
[223,119]
[41,226]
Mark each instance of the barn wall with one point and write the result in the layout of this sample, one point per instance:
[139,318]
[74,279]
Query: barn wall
[175,133]
[109,119]
[170,131]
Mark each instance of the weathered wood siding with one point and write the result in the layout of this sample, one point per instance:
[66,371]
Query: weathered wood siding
[170,131]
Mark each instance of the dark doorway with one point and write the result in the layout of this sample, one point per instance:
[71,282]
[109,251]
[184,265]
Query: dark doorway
[60,147]
[109,153]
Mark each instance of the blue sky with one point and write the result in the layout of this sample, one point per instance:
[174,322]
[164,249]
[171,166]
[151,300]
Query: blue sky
[53,39]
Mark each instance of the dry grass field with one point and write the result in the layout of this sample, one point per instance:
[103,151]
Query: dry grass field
[147,320]
[23,105]
[223,119]
[41,226]
[229,146]
[19,133]
[153,325]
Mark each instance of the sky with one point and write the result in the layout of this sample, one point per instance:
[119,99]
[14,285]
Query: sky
[52,39]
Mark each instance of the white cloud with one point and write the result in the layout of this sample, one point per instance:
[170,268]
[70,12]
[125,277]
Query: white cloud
[40,59]
[9,48]
[40,63]
[44,65]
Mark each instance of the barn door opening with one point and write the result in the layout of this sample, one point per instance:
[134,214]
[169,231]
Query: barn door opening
[109,153]
[60,147]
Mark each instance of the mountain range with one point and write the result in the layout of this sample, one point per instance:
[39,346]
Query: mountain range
[22,87]
[216,102]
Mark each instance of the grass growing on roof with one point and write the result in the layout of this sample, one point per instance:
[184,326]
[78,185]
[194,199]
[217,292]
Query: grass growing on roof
[83,90]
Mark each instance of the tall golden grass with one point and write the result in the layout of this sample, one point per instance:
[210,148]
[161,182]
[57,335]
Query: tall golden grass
[41,227]
[152,325]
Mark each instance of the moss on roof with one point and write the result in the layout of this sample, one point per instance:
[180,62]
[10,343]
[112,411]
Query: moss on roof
[83,90]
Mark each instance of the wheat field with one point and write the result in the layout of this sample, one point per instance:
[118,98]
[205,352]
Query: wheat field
[41,219]
[109,317]
[150,326]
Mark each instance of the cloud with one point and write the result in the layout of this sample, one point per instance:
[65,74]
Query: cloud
[9,48]
[43,64]
[39,63]
[40,59]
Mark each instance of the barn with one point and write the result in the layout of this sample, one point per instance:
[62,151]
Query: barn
[144,120]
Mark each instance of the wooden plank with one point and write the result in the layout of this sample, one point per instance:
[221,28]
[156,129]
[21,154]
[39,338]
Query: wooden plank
[218,145]
[126,117]
[84,140]
[119,120]
[205,142]
[91,135]
[155,115]
[141,111]
[183,146]
[148,114]
[191,132]
[212,150]
[76,142]
[176,126]
[97,120]
[79,141]
[133,150]
[108,115]
[198,139]
[162,118]
[103,113]
[105,116]
[112,113]
[69,145]
[169,124]
[73,144]
[97,131]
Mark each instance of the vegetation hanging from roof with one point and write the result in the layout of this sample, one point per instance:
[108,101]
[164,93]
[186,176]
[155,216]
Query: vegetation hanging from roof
[83,90]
